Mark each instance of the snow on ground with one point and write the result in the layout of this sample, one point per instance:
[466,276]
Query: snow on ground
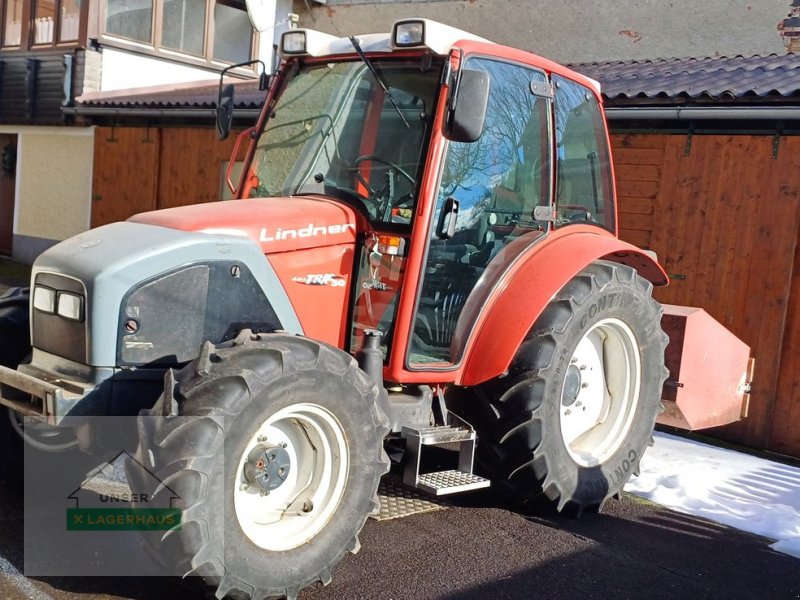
[738,490]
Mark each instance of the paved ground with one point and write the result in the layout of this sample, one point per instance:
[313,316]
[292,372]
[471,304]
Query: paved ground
[480,549]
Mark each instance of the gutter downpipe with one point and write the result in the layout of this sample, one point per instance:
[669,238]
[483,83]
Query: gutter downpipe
[700,113]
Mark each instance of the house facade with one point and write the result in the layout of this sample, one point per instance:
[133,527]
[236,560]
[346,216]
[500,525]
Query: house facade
[54,51]
[576,30]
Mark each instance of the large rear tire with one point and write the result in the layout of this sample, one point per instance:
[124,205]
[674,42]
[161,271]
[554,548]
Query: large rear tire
[576,410]
[251,401]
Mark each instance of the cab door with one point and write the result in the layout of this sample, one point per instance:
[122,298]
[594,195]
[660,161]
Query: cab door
[498,191]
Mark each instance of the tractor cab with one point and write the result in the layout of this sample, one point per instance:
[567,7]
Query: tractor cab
[457,157]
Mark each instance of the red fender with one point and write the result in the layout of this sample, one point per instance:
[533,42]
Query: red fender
[527,287]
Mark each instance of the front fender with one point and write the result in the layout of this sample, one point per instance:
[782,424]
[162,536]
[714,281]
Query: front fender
[528,286]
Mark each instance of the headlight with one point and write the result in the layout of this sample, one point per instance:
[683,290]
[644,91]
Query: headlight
[44,299]
[409,33]
[294,42]
[70,306]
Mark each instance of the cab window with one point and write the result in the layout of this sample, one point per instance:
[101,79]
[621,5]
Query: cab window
[584,193]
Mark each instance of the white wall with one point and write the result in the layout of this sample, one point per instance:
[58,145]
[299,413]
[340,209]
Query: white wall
[53,186]
[578,30]
[124,70]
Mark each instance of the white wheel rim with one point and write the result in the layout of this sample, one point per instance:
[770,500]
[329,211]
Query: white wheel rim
[601,392]
[41,436]
[319,461]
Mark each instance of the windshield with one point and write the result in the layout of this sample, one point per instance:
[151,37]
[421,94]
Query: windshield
[335,131]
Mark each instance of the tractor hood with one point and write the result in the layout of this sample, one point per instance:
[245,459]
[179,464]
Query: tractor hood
[277,224]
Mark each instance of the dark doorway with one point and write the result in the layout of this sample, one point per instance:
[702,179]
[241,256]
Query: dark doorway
[8,171]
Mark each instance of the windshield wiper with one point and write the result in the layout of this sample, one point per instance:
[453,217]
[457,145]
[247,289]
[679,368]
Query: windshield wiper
[377,77]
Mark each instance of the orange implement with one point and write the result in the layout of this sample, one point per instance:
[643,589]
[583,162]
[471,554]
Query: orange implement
[710,371]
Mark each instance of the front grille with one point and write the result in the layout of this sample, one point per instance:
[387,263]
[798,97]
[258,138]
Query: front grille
[55,334]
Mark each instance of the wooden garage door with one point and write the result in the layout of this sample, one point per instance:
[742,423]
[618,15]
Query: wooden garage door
[139,169]
[125,175]
[724,221]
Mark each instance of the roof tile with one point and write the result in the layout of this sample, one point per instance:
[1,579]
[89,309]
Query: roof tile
[722,78]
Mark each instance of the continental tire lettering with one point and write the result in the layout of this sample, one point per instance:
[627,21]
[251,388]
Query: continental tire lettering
[562,358]
[595,487]
[622,471]
[605,302]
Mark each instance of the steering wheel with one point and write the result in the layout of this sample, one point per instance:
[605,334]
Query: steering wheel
[383,196]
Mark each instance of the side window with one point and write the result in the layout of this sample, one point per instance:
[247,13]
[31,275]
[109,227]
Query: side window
[584,192]
[497,181]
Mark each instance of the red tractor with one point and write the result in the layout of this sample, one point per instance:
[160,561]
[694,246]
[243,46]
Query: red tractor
[423,252]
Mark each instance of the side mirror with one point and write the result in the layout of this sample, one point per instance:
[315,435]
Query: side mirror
[468,106]
[225,96]
[225,111]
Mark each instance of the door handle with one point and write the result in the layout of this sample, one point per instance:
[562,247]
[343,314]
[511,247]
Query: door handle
[450,209]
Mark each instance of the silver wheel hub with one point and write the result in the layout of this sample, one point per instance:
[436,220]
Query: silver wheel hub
[601,392]
[267,466]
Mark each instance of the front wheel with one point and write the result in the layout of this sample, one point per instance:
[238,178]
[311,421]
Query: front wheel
[272,449]
[574,414]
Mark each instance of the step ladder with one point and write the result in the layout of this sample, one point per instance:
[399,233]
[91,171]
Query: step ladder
[441,483]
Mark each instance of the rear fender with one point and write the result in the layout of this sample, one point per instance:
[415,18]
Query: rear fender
[528,286]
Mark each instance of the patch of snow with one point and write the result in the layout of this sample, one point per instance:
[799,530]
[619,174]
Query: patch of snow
[742,491]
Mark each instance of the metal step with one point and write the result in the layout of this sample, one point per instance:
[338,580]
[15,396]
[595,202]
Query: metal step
[442,483]
[433,436]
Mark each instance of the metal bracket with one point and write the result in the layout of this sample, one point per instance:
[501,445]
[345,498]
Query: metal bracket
[542,89]
[544,213]
[688,148]
[776,141]
[113,138]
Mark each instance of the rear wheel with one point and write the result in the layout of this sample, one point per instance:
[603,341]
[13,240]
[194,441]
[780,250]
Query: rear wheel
[576,410]
[273,445]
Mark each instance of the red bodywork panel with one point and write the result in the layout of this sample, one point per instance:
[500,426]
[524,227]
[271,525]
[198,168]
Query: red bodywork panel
[317,281]
[527,287]
[710,371]
[310,243]
[277,224]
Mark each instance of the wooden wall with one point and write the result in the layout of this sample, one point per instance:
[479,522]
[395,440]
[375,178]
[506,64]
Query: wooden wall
[724,219]
[138,169]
